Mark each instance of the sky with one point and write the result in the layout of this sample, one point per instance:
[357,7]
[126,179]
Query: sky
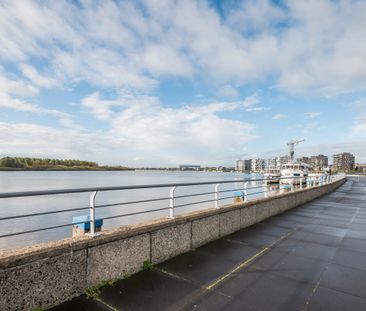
[163,83]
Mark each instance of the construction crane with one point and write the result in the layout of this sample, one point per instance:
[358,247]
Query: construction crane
[291,144]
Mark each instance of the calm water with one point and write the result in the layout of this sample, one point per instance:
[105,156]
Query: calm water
[26,181]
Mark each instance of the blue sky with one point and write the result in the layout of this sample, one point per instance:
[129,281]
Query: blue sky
[160,83]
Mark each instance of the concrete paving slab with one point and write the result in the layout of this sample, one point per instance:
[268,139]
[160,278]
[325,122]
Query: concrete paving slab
[309,250]
[299,268]
[350,259]
[275,231]
[81,303]
[197,267]
[356,245]
[354,234]
[334,231]
[348,280]
[147,290]
[254,290]
[318,238]
[328,299]
[229,250]
[252,238]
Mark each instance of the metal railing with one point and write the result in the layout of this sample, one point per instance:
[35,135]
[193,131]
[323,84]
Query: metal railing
[259,183]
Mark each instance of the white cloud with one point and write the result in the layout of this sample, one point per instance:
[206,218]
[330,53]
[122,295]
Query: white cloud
[279,116]
[21,105]
[228,91]
[251,100]
[25,139]
[312,115]
[39,80]
[189,39]
[13,92]
[256,109]
[16,87]
[190,133]
[359,127]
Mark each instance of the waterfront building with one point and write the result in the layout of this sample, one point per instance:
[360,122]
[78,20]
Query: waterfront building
[344,161]
[189,167]
[318,162]
[305,160]
[270,163]
[242,165]
[282,160]
[239,165]
[247,165]
[257,165]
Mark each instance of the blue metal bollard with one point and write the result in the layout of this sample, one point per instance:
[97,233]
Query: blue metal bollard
[238,196]
[82,225]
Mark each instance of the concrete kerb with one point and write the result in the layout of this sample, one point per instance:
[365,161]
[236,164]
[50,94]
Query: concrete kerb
[123,250]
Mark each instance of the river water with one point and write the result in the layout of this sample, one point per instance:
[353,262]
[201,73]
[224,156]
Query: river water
[27,181]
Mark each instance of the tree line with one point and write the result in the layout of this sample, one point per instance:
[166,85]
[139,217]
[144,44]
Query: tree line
[18,162]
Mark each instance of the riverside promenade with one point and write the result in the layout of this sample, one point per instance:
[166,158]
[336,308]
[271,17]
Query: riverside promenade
[312,257]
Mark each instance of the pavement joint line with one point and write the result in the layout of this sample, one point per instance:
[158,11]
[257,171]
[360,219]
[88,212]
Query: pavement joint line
[248,261]
[106,304]
[237,268]
[237,242]
[172,274]
[185,280]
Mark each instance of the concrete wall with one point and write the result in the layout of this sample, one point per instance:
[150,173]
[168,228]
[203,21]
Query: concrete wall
[45,275]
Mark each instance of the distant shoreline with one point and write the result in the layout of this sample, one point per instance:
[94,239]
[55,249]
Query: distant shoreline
[13,169]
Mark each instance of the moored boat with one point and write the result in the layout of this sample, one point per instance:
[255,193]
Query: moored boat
[294,173]
[272,175]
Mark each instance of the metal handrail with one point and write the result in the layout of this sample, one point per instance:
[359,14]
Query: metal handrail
[312,181]
[134,187]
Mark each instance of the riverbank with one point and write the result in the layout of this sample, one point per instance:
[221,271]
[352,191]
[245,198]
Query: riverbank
[68,168]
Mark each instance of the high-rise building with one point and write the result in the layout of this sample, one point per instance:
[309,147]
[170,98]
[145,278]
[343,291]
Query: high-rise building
[344,161]
[282,160]
[318,162]
[243,165]
[270,163]
[239,165]
[315,162]
[257,165]
[247,165]
[305,160]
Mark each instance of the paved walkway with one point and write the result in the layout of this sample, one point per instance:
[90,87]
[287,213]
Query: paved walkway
[310,258]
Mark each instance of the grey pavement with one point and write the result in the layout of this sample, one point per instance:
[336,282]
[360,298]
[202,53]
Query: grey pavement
[312,257]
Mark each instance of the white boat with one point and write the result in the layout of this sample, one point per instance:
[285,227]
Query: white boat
[293,173]
[272,175]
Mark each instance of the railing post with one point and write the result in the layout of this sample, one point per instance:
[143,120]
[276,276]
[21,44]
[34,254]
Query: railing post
[292,185]
[92,213]
[300,183]
[171,202]
[280,186]
[217,195]
[265,188]
[245,192]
